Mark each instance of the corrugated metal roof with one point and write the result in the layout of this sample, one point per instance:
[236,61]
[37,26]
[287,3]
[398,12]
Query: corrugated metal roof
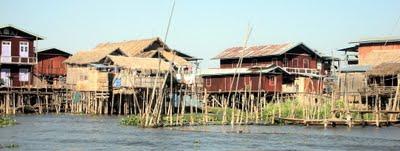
[259,51]
[231,71]
[355,68]
[350,49]
[48,49]
[23,30]
[377,40]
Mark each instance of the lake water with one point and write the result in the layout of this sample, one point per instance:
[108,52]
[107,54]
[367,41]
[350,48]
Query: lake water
[83,132]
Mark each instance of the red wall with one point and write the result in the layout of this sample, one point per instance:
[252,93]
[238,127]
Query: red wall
[50,64]
[15,46]
[223,83]
[14,69]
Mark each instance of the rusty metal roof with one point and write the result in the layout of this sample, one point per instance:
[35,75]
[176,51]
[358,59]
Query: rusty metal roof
[377,40]
[260,51]
[245,70]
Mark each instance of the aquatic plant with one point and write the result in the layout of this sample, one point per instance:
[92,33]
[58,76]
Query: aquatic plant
[6,121]
[9,146]
[131,120]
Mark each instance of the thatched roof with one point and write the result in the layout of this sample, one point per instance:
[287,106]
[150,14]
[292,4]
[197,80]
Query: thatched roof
[169,56]
[176,59]
[385,69]
[137,63]
[131,47]
[146,48]
[92,56]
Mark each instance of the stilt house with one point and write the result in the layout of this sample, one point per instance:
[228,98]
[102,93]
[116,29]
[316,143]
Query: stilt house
[302,68]
[50,70]
[93,70]
[17,56]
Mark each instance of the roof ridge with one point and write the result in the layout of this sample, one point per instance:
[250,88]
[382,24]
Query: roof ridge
[126,41]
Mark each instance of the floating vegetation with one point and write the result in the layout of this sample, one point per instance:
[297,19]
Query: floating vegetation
[282,111]
[10,146]
[131,120]
[6,121]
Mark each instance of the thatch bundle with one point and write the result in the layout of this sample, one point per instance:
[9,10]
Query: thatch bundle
[385,69]
[146,48]
[137,63]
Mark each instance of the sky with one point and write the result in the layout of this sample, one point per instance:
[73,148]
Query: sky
[203,28]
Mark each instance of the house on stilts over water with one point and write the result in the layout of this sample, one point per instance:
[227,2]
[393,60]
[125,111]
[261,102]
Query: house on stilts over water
[290,68]
[118,77]
[17,56]
[22,89]
[370,78]
[50,70]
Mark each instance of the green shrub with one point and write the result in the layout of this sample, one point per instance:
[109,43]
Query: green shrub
[131,120]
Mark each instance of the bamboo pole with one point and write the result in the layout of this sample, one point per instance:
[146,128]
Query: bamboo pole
[205,106]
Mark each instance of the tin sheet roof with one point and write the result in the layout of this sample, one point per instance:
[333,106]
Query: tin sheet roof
[22,30]
[355,68]
[260,51]
[377,40]
[231,71]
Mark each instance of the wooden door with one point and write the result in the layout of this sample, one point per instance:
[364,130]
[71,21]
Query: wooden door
[5,51]
[24,49]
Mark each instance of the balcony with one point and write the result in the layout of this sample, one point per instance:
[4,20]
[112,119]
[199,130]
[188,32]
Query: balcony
[302,70]
[18,60]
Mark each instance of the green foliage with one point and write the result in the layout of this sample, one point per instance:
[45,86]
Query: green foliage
[9,146]
[6,121]
[339,104]
[131,120]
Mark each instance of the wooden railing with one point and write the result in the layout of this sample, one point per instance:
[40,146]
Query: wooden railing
[302,70]
[140,82]
[17,60]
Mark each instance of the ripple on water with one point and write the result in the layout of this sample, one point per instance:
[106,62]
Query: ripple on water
[81,132]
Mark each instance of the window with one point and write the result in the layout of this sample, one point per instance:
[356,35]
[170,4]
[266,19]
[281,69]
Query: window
[295,63]
[271,80]
[23,75]
[83,77]
[306,63]
[254,62]
[24,48]
[285,62]
[208,82]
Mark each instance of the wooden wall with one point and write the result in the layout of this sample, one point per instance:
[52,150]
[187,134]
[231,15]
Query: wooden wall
[87,78]
[51,64]
[15,46]
[269,83]
[14,69]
